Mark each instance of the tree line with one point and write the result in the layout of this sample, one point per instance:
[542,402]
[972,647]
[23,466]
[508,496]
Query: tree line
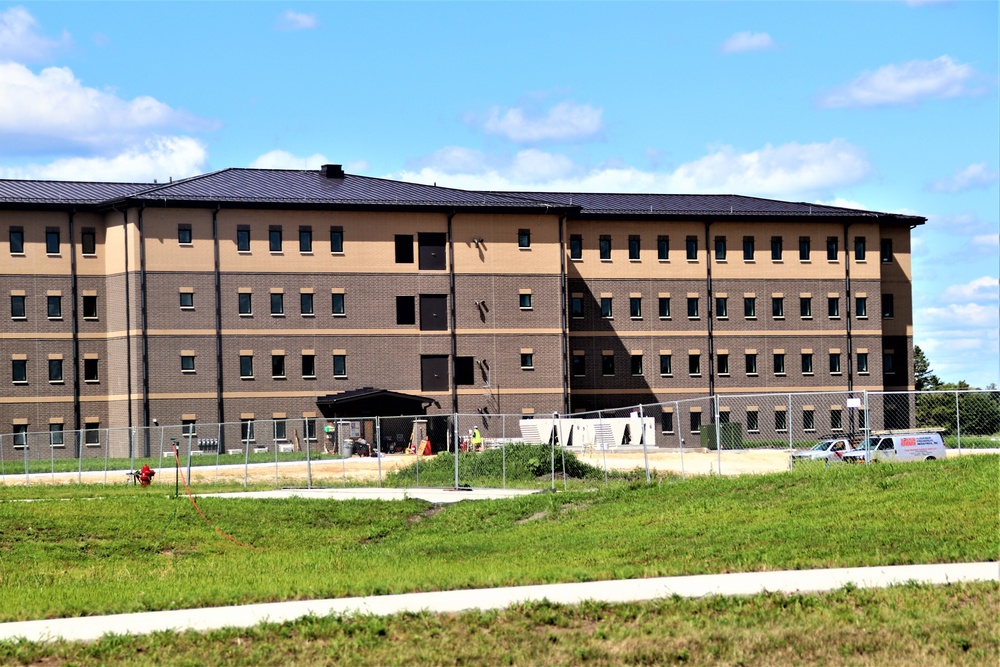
[977,413]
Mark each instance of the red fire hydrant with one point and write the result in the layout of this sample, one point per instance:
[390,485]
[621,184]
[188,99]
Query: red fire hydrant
[146,475]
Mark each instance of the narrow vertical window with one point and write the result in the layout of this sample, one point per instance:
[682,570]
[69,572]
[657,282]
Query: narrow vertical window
[804,248]
[246,303]
[243,239]
[859,248]
[832,248]
[807,363]
[779,363]
[524,238]
[308,365]
[663,248]
[635,364]
[575,246]
[51,242]
[861,306]
[863,362]
[90,307]
[19,371]
[885,251]
[88,241]
[751,363]
[607,364]
[721,308]
[778,307]
[604,244]
[338,305]
[666,365]
[750,307]
[635,307]
[16,241]
[277,303]
[91,370]
[277,365]
[337,241]
[307,305]
[340,365]
[692,307]
[54,307]
[274,238]
[835,362]
[805,307]
[694,364]
[888,307]
[691,247]
[18,310]
[833,306]
[720,248]
[633,247]
[664,307]
[305,239]
[606,311]
[776,248]
[748,248]
[722,364]
[576,307]
[246,366]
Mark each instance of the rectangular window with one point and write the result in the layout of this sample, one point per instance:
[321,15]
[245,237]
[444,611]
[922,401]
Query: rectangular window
[607,364]
[753,421]
[524,238]
[805,307]
[579,365]
[604,245]
[776,248]
[305,239]
[277,303]
[246,366]
[692,304]
[340,365]
[90,307]
[861,306]
[187,363]
[280,430]
[19,371]
[720,248]
[885,251]
[663,248]
[863,362]
[20,435]
[691,247]
[832,248]
[809,420]
[184,236]
[666,365]
[52,241]
[433,312]
[307,304]
[694,364]
[633,247]
[606,310]
[17,307]
[88,241]
[889,362]
[807,363]
[748,248]
[833,306]
[859,248]
[91,433]
[804,248]
[722,364]
[404,249]
[835,363]
[433,372]
[406,310]
[337,241]
[277,365]
[308,365]
[722,308]
[54,307]
[635,307]
[337,305]
[888,307]
[836,420]
[576,307]
[247,430]
[16,241]
[274,238]
[575,246]
[779,363]
[309,426]
[777,307]
[695,422]
[664,306]
[186,300]
[750,307]
[635,364]
[666,422]
[431,251]
[90,370]
[527,361]
[780,420]
[246,303]
[524,301]
[243,239]
[55,370]
[56,435]
[751,363]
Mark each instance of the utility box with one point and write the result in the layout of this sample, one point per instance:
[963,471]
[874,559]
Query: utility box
[730,435]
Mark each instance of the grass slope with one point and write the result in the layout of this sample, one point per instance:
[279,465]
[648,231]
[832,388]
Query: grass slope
[137,551]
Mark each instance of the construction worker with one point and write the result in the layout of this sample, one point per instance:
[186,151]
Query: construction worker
[477,440]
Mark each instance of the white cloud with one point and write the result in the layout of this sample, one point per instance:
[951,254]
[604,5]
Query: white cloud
[20,40]
[908,83]
[987,242]
[54,111]
[985,288]
[844,203]
[284,160]
[565,122]
[977,175]
[742,42]
[159,158]
[295,21]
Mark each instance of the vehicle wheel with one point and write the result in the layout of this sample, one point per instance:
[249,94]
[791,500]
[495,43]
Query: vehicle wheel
[929,458]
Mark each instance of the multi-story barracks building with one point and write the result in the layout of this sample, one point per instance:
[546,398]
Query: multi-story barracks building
[267,293]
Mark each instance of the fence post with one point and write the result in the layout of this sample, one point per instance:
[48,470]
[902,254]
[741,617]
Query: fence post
[868,435]
[791,448]
[27,475]
[246,453]
[378,448]
[3,468]
[642,438]
[503,448]
[562,450]
[718,429]
[305,439]
[680,437]
[552,448]
[599,442]
[218,448]
[274,442]
[958,423]
[189,434]
[453,435]
[107,450]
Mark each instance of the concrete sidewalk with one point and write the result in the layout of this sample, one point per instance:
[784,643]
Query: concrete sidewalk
[629,590]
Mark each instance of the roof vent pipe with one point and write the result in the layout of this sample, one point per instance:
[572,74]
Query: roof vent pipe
[333,170]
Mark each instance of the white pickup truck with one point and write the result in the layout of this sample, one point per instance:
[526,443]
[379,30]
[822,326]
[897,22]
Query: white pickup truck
[832,449]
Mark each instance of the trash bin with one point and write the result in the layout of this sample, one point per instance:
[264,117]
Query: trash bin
[347,449]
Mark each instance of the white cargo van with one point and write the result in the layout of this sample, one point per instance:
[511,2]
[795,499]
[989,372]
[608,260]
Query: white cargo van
[903,445]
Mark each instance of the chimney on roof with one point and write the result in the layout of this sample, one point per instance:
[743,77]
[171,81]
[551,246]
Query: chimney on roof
[333,170]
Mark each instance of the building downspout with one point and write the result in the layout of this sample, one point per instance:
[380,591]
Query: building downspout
[144,323]
[710,310]
[452,322]
[75,316]
[219,403]
[848,311]
[564,309]
[128,336]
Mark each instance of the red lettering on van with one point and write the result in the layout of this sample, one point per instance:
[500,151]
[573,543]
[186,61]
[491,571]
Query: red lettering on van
[907,442]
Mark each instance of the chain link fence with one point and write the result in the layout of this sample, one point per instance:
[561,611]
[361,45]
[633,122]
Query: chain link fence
[724,434]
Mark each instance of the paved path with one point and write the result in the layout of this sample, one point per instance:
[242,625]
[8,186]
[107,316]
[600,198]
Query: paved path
[432,495]
[629,590]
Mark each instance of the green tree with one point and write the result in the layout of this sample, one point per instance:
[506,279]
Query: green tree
[923,376]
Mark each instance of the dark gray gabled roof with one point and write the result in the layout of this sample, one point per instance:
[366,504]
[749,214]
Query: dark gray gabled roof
[714,206]
[65,192]
[311,188]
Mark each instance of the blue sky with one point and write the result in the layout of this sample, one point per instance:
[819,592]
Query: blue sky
[888,106]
